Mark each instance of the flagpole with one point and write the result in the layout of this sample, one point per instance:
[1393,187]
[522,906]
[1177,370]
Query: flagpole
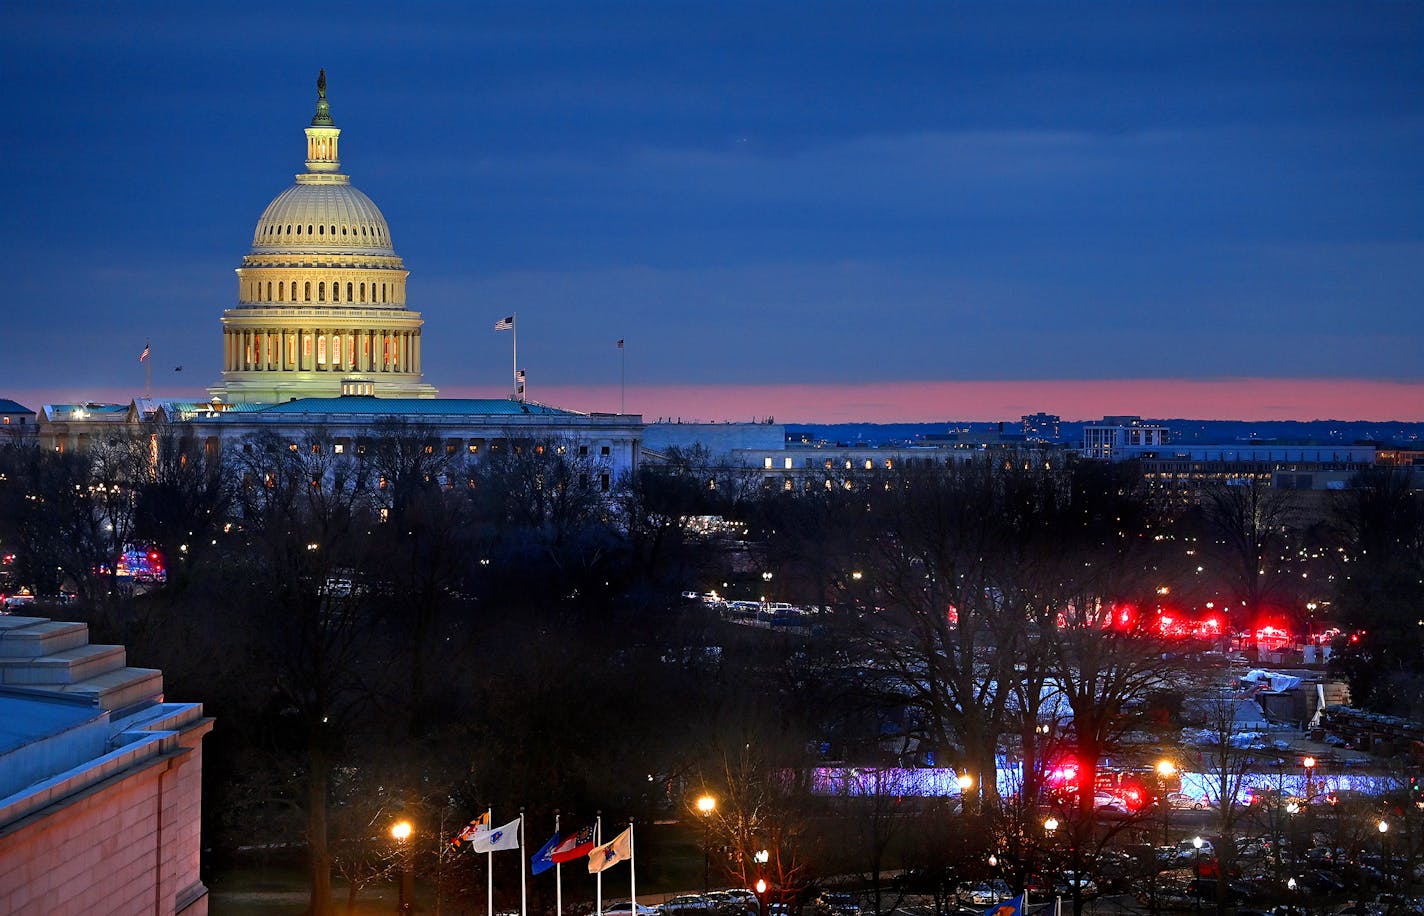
[598,875]
[622,380]
[632,871]
[523,869]
[147,371]
[489,867]
[515,328]
[558,876]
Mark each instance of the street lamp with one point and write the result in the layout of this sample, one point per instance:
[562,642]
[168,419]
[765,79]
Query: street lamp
[400,832]
[761,857]
[1196,871]
[1166,769]
[1051,825]
[1383,827]
[706,804]
[1309,765]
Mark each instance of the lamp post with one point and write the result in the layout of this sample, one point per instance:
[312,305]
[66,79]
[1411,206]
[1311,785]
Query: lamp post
[1196,869]
[965,783]
[400,832]
[1308,764]
[761,857]
[706,804]
[1383,827]
[1050,830]
[1166,769]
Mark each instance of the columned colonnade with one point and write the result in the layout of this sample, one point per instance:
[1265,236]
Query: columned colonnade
[319,349]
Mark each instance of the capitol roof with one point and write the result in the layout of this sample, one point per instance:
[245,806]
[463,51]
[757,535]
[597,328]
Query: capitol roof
[364,405]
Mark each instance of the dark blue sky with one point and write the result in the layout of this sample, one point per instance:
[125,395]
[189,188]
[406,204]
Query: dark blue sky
[751,194]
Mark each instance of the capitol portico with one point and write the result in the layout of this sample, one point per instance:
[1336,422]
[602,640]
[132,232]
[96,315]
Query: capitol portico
[321,294]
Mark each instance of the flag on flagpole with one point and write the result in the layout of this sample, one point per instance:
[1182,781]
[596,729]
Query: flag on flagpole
[620,343]
[1011,907]
[574,846]
[619,850]
[471,830]
[541,860]
[498,839]
[144,355]
[505,324]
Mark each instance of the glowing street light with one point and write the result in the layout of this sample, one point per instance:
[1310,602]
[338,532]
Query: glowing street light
[706,804]
[401,831]
[1051,825]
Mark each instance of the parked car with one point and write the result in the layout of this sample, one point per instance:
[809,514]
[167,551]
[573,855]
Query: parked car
[1069,880]
[687,905]
[1206,888]
[1170,895]
[1181,800]
[625,908]
[1186,852]
[829,903]
[986,892]
[1318,882]
[1108,803]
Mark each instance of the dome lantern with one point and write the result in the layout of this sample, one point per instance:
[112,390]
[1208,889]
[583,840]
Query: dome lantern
[323,133]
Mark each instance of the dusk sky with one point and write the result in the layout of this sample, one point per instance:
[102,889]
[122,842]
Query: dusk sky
[821,212]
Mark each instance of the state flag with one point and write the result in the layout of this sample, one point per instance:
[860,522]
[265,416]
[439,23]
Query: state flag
[610,854]
[1011,907]
[574,846]
[541,861]
[498,839]
[470,830]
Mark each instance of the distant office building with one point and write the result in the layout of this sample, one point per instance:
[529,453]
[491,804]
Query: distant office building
[100,780]
[1114,437]
[15,420]
[1040,427]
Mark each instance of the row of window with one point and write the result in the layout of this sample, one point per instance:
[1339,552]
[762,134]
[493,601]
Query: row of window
[453,447]
[355,292]
[605,483]
[788,464]
[320,231]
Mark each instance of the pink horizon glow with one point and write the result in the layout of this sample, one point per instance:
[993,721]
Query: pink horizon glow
[937,401]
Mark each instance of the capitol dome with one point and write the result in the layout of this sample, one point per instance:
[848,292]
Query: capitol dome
[322,293]
[322,217]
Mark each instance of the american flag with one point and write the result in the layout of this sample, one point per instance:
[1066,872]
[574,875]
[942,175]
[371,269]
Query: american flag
[620,343]
[144,355]
[505,324]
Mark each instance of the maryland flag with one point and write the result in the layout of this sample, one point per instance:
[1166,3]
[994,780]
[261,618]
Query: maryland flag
[471,830]
[1012,907]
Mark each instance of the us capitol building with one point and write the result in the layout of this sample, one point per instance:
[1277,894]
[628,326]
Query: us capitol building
[321,338]
[322,293]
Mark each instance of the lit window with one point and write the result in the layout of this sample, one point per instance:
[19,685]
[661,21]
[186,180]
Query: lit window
[768,461]
[788,464]
[339,448]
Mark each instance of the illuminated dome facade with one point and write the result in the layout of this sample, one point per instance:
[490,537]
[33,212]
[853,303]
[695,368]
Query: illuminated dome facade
[321,304]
